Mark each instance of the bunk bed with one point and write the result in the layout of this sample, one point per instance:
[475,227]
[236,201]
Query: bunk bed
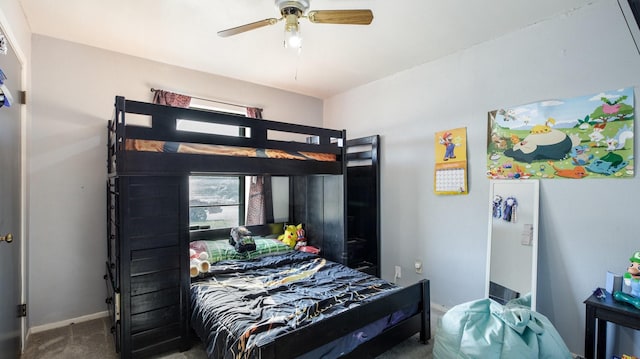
[152,299]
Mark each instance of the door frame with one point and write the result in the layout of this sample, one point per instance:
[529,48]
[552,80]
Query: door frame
[11,39]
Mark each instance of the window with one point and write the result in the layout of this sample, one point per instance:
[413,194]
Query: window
[219,201]
[216,201]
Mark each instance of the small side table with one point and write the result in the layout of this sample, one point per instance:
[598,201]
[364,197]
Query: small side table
[601,311]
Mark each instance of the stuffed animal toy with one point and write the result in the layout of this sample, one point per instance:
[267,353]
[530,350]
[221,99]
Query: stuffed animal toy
[241,239]
[290,235]
[632,277]
[199,262]
[301,241]
[309,249]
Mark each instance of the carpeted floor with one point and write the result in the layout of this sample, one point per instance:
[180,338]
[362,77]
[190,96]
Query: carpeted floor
[92,339]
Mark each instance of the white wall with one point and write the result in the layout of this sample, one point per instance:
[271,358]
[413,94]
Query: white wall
[15,25]
[73,95]
[586,227]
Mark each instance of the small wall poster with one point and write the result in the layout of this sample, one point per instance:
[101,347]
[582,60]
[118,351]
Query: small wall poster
[450,175]
[577,138]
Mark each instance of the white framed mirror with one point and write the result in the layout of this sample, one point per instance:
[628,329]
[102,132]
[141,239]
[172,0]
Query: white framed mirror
[512,249]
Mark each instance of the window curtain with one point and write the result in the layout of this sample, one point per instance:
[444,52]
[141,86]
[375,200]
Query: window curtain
[256,206]
[162,97]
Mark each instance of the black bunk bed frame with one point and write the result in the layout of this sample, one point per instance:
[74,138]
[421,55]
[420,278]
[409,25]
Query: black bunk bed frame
[147,269]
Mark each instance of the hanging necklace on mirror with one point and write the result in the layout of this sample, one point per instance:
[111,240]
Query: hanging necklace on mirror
[497,206]
[510,207]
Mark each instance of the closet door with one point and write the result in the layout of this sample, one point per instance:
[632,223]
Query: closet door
[363,204]
[10,210]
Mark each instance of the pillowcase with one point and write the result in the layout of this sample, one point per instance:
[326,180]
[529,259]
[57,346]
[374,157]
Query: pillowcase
[218,250]
[268,246]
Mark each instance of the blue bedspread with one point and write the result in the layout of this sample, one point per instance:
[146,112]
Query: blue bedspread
[246,304]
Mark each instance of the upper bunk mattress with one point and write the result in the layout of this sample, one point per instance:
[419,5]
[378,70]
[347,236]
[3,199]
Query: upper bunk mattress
[221,150]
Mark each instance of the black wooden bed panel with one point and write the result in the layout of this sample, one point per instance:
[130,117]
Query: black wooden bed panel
[363,203]
[163,129]
[130,245]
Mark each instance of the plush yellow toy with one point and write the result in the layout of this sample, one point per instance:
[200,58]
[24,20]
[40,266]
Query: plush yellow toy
[290,236]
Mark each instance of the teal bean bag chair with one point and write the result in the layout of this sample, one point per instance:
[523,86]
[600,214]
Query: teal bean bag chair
[485,329]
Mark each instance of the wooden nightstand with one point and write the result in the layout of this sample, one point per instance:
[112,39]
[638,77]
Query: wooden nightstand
[601,311]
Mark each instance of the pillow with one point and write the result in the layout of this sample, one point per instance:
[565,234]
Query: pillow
[267,246]
[218,250]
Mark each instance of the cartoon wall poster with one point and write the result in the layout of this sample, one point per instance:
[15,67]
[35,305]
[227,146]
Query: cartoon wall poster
[450,175]
[577,138]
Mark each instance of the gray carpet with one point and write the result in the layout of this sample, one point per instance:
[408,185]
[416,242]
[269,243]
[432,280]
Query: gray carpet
[92,339]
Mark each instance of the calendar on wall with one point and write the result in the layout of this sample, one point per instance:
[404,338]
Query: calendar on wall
[450,174]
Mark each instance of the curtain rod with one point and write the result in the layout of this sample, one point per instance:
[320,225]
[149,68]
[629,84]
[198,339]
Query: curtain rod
[210,100]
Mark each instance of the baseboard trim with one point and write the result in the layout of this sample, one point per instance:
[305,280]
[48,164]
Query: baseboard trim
[63,323]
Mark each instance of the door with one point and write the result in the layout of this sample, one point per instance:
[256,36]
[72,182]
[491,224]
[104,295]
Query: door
[10,209]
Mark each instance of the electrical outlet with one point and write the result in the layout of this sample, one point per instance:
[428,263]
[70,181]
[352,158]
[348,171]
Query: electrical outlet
[398,272]
[418,266]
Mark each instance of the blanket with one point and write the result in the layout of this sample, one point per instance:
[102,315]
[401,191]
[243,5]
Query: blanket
[244,304]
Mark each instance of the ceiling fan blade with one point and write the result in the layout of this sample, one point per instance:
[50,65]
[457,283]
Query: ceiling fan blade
[349,17]
[243,28]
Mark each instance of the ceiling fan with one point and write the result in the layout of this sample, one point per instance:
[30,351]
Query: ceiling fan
[292,11]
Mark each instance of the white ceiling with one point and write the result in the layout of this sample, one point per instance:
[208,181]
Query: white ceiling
[334,58]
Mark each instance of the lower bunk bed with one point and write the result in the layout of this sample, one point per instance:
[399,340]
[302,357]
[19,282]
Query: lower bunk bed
[276,302]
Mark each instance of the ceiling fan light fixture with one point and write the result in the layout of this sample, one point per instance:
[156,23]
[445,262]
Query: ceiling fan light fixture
[292,11]
[292,35]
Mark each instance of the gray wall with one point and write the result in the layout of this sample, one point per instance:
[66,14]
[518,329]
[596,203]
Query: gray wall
[71,101]
[586,227]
